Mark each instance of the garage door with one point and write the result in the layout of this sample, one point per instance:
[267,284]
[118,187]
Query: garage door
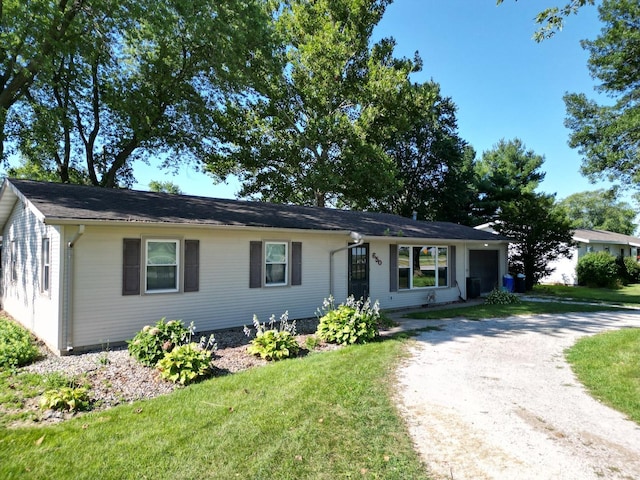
[483,264]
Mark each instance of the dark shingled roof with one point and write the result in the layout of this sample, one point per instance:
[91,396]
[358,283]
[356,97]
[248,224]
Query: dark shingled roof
[64,202]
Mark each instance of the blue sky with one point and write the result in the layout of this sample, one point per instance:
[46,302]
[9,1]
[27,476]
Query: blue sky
[504,84]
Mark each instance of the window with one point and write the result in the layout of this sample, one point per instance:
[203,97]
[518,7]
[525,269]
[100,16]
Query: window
[422,266]
[14,261]
[161,272]
[46,265]
[275,256]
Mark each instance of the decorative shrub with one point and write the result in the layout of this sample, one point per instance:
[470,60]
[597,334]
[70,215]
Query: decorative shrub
[353,321]
[17,347]
[65,398]
[185,363]
[632,270]
[271,343]
[597,269]
[151,343]
[501,297]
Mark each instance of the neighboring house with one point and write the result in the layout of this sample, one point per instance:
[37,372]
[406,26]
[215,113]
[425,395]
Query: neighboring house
[86,267]
[588,241]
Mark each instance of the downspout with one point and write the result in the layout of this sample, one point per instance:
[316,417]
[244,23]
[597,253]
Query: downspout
[68,318]
[358,239]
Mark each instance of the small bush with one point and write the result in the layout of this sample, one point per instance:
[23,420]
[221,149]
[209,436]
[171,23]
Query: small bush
[151,343]
[351,322]
[501,297]
[65,398]
[598,269]
[271,343]
[632,270]
[185,364]
[17,347]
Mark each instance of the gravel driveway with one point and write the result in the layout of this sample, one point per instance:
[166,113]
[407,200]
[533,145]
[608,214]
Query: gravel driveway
[496,400]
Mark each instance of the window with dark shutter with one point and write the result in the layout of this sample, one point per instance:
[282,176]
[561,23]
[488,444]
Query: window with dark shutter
[191,265]
[393,268]
[296,263]
[255,264]
[131,266]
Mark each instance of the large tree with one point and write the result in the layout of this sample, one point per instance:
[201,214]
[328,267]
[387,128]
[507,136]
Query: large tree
[600,210]
[504,173]
[317,137]
[608,134]
[434,165]
[542,233]
[147,78]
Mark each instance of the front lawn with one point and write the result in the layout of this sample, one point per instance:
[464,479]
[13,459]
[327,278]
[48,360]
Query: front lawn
[608,364]
[479,312]
[325,416]
[628,295]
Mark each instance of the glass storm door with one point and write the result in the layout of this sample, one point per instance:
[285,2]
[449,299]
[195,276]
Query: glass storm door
[359,271]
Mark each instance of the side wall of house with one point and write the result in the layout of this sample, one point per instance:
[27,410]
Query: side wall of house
[102,315]
[26,295]
[564,270]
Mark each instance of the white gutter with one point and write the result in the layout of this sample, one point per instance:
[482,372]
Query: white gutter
[67,329]
[359,239]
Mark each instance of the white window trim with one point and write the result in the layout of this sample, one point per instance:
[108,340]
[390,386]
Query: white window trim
[13,263]
[45,287]
[286,264]
[178,265]
[411,247]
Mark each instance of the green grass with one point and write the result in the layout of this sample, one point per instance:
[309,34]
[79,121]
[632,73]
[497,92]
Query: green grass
[478,312]
[325,416]
[628,295]
[608,364]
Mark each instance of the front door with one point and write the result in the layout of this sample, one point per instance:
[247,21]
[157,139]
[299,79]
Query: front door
[359,271]
[483,264]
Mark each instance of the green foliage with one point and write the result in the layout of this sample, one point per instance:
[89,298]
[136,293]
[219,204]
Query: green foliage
[597,269]
[165,187]
[606,134]
[551,19]
[600,210]
[542,232]
[112,83]
[151,343]
[185,364]
[351,322]
[631,270]
[271,343]
[311,342]
[501,297]
[65,398]
[335,102]
[17,346]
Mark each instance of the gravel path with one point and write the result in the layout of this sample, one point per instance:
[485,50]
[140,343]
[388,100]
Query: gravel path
[496,400]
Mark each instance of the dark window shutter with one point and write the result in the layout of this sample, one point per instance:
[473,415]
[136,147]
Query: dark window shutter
[452,266]
[255,264]
[296,263]
[131,266]
[191,265]
[393,268]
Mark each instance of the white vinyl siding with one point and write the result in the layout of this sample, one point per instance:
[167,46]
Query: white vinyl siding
[22,271]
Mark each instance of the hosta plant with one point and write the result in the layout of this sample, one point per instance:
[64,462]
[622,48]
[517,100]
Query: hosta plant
[273,343]
[151,343]
[65,398]
[185,364]
[501,297]
[354,321]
